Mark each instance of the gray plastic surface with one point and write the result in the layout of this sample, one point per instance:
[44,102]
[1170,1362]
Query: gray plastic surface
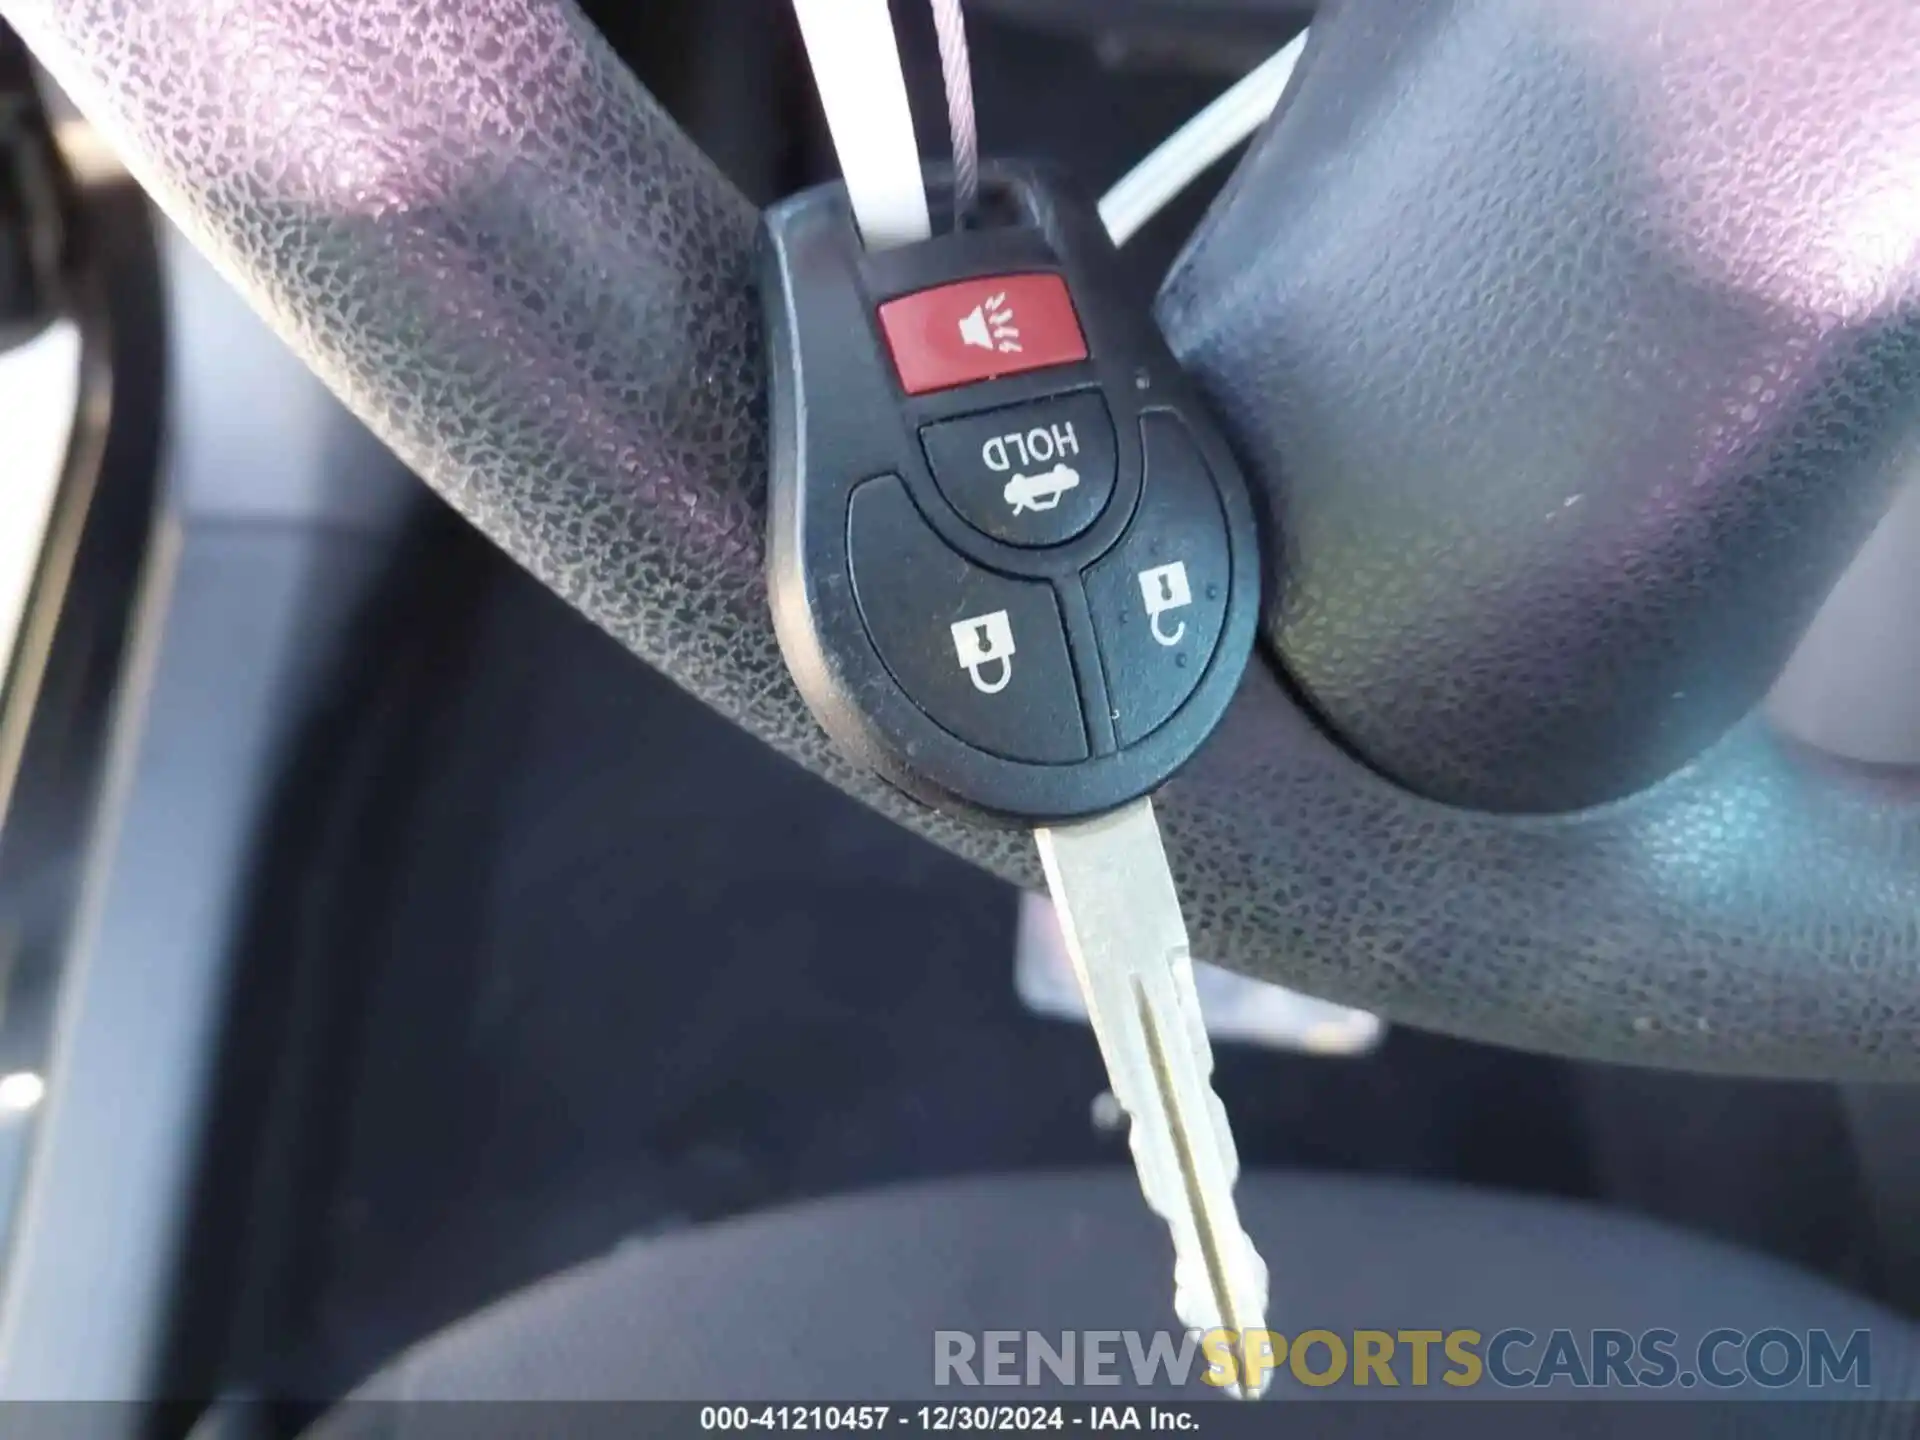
[244,602]
[477,227]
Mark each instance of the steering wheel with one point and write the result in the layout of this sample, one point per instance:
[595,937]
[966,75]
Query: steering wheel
[1572,345]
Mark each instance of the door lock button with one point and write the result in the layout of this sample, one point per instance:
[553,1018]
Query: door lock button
[983,655]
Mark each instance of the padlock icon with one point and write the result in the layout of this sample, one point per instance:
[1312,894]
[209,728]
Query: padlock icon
[1164,588]
[981,642]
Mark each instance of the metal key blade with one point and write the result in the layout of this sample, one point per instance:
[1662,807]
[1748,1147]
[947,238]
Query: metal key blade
[1121,916]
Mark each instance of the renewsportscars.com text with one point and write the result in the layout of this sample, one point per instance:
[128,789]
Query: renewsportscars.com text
[1513,1358]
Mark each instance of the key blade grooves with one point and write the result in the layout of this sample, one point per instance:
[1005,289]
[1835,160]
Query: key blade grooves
[1204,1220]
[1121,918]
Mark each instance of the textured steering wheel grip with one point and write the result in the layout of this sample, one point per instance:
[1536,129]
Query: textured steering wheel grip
[479,229]
[1578,348]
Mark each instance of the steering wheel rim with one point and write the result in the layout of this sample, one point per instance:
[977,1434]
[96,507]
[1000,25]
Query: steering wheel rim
[488,239]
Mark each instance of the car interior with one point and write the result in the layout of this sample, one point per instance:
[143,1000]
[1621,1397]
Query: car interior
[442,956]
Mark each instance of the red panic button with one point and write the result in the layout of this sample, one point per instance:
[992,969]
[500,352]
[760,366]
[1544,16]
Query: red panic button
[980,329]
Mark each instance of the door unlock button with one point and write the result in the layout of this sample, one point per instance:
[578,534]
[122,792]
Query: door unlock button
[1165,588]
[1159,597]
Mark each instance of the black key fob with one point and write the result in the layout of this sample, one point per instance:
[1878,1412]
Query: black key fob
[1013,566]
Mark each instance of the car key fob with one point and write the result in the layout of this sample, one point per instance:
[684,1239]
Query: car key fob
[1013,565]
[1014,570]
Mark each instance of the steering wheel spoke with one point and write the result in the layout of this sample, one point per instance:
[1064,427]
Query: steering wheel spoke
[1460,250]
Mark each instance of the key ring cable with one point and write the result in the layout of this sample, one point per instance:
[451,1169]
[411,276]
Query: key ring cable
[855,56]
[956,75]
